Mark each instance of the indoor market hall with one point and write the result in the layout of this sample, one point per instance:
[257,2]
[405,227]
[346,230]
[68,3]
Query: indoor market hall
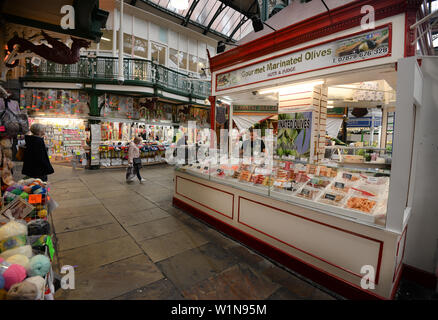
[216,158]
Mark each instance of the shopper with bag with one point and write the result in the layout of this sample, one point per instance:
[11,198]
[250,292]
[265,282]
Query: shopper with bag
[134,161]
[36,163]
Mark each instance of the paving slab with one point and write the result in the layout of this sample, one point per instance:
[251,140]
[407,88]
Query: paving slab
[236,283]
[66,213]
[160,290]
[75,239]
[99,254]
[300,288]
[82,222]
[113,280]
[120,206]
[171,244]
[195,265]
[74,203]
[155,228]
[133,218]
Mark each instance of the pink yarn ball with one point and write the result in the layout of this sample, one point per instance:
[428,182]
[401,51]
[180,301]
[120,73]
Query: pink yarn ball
[14,274]
[1,259]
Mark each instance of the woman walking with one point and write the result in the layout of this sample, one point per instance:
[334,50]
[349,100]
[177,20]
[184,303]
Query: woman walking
[36,163]
[134,159]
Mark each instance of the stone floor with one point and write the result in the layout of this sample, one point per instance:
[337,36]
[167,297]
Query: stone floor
[127,241]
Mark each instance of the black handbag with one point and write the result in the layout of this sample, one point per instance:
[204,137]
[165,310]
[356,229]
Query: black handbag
[136,161]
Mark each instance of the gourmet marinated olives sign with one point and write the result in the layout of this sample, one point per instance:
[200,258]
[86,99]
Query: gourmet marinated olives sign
[357,48]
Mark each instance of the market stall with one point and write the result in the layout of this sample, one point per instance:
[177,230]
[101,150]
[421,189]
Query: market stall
[26,245]
[336,214]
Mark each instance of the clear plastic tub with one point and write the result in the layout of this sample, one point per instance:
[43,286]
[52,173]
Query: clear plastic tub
[341,186]
[318,183]
[363,204]
[332,198]
[308,193]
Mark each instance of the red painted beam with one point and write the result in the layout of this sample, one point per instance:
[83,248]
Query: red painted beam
[342,18]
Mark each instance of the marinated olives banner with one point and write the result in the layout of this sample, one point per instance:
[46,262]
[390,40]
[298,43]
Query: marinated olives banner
[294,134]
[360,47]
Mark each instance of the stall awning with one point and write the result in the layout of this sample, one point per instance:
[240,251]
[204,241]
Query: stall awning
[245,122]
[333,125]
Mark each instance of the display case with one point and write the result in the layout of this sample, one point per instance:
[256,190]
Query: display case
[356,193]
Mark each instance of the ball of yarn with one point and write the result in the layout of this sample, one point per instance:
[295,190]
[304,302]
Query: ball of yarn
[24,195]
[2,282]
[40,283]
[35,188]
[14,274]
[3,294]
[17,191]
[24,250]
[27,189]
[38,227]
[19,259]
[11,229]
[39,191]
[23,291]
[42,213]
[10,188]
[39,265]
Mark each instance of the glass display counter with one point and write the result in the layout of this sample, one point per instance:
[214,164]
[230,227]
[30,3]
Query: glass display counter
[330,187]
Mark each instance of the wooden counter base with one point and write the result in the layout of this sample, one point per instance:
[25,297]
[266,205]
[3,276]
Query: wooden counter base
[223,207]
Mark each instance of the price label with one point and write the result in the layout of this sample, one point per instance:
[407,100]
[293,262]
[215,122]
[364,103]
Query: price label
[347,176]
[372,180]
[339,185]
[330,196]
[35,198]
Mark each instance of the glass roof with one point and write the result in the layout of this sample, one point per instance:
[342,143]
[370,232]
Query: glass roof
[212,14]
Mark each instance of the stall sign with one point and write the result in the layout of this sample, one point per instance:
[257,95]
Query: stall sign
[294,134]
[254,109]
[357,48]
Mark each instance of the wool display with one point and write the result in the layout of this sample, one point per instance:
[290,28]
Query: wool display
[19,259]
[13,274]
[25,290]
[2,282]
[38,227]
[40,283]
[11,229]
[24,250]
[39,265]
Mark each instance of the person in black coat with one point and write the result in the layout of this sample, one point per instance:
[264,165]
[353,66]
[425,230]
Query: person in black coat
[36,163]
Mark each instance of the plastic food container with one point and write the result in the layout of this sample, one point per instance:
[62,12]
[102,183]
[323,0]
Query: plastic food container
[341,186]
[366,189]
[363,204]
[308,193]
[332,198]
[318,183]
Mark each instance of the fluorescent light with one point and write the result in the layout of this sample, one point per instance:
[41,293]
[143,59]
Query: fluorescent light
[105,39]
[293,89]
[330,102]
[330,107]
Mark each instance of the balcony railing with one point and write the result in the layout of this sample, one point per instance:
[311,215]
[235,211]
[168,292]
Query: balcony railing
[142,71]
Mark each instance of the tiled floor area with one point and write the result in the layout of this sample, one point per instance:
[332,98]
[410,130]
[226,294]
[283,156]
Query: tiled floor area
[126,241]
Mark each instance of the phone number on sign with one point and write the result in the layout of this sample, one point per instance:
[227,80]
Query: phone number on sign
[365,54]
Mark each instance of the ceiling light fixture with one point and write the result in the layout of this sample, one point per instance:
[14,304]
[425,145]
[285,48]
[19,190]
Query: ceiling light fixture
[293,89]
[180,4]
[105,39]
